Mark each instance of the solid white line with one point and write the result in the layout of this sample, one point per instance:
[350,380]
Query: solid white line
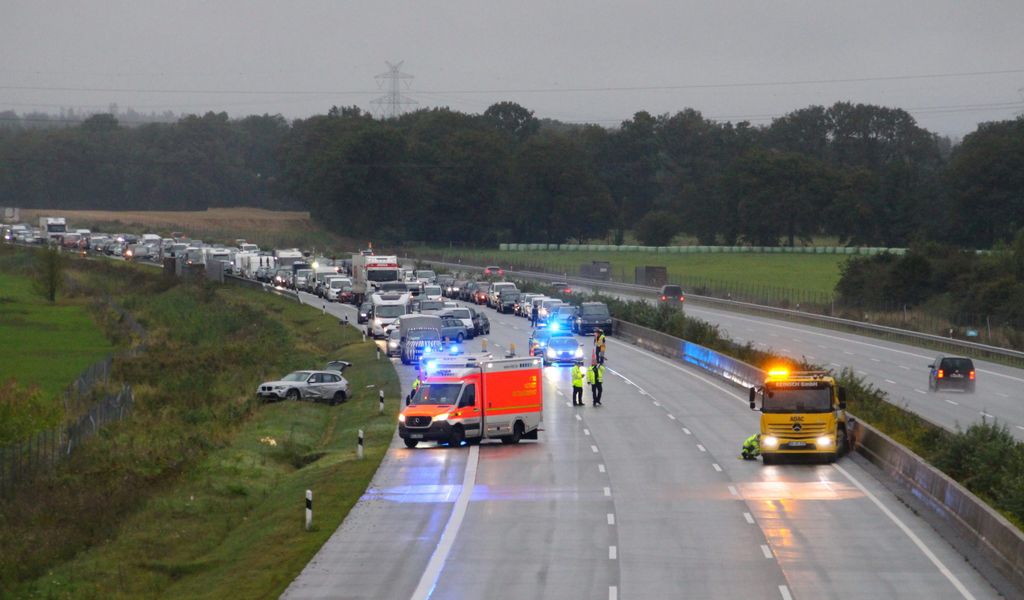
[701,448]
[733,490]
[613,593]
[586,431]
[593,449]
[913,536]
[785,593]
[716,467]
[766,551]
[429,578]
[613,553]
[611,518]
[607,491]
[673,417]
[749,518]
[953,402]
[600,468]
[686,431]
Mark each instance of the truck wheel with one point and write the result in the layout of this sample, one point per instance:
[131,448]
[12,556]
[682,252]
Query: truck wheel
[456,438]
[767,459]
[410,443]
[293,394]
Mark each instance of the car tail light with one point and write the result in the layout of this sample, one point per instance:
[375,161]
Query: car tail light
[568,290]
[971,375]
[941,374]
[501,271]
[664,298]
[681,298]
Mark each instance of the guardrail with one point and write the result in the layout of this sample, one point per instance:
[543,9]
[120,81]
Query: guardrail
[1015,357]
[988,532]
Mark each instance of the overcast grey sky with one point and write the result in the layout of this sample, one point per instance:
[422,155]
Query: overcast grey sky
[570,60]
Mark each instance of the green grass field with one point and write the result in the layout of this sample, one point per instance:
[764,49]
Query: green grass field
[43,345]
[810,273]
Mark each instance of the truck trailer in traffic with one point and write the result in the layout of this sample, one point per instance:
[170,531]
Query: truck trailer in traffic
[369,271]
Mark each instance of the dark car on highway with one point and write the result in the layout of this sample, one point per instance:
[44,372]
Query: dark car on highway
[671,295]
[593,315]
[562,350]
[541,337]
[481,324]
[952,373]
[364,312]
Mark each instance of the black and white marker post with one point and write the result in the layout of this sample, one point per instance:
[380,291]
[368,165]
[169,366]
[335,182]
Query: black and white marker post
[359,446]
[309,509]
[380,395]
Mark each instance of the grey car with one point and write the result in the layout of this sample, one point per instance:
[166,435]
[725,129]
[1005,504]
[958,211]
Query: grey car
[453,329]
[318,386]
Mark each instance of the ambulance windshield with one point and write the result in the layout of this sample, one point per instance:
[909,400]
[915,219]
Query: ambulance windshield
[437,393]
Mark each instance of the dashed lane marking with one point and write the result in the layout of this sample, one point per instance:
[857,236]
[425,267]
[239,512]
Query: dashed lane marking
[607,491]
[785,593]
[613,593]
[701,448]
[673,417]
[890,381]
[986,415]
[733,490]
[717,468]
[953,402]
[578,418]
[611,518]
[613,553]
[593,449]
[766,551]
[600,468]
[920,391]
[686,431]
[586,431]
[748,517]
[905,367]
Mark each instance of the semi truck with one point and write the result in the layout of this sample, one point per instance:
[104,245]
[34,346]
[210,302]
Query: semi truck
[471,398]
[369,271]
[53,228]
[803,414]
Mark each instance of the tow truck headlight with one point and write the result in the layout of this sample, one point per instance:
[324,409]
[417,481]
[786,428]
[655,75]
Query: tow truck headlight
[552,353]
[769,441]
[401,418]
[442,417]
[824,441]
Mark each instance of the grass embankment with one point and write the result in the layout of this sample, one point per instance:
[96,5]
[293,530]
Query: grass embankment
[201,492]
[746,274]
[43,348]
[985,457]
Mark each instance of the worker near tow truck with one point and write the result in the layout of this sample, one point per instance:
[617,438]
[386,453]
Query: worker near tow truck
[751,447]
[595,378]
[577,383]
[599,343]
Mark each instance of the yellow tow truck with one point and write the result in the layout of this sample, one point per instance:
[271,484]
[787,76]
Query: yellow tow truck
[803,414]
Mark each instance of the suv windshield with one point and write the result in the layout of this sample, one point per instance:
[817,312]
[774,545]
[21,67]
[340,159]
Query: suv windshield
[595,311]
[296,376]
[437,393]
[791,397]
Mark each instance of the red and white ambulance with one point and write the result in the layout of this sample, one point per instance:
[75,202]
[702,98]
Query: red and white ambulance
[469,398]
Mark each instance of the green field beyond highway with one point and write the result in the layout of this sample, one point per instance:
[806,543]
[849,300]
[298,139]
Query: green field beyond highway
[810,273]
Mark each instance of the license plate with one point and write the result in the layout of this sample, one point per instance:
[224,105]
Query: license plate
[415,436]
[797,444]
[956,375]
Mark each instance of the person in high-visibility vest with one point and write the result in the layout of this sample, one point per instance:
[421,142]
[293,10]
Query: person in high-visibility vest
[592,382]
[599,346]
[577,384]
[751,447]
[596,371]
[415,387]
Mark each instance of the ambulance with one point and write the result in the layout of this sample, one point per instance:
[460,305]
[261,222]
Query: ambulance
[470,398]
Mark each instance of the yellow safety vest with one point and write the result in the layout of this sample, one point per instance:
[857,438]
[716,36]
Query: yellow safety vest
[599,376]
[577,376]
[590,376]
[416,384]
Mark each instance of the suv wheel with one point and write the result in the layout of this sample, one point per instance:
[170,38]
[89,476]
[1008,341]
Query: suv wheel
[293,394]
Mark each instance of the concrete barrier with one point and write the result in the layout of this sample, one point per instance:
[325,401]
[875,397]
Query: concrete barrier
[983,528]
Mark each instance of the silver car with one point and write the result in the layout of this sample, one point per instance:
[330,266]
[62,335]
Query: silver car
[318,386]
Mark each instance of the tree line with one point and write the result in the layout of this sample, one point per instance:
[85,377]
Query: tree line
[867,175]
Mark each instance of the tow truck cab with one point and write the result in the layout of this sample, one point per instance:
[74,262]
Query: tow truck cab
[469,398]
[802,413]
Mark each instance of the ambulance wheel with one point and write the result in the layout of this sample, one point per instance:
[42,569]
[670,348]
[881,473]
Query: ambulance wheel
[517,434]
[457,437]
[410,443]
[474,441]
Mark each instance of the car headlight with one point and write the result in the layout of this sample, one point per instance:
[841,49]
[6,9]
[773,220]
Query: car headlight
[579,352]
[392,344]
[769,441]
[442,417]
[401,418]
[824,440]
[377,323]
[551,353]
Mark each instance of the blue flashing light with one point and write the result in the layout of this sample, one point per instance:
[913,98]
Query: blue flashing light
[426,349]
[554,326]
[431,365]
[454,349]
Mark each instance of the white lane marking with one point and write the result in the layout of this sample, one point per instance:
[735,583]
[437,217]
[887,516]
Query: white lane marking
[593,449]
[784,590]
[859,372]
[656,403]
[986,415]
[920,391]
[953,402]
[578,418]
[1019,427]
[611,518]
[786,350]
[701,448]
[890,381]
[429,578]
[910,534]
[847,352]
[613,593]
[749,517]
[905,367]
[600,468]
[1002,394]
[733,490]
[642,393]
[873,359]
[607,491]
[717,468]
[766,551]
[823,347]
[686,431]
[835,364]
[673,417]
[559,392]
[811,357]
[613,553]
[586,431]
[569,404]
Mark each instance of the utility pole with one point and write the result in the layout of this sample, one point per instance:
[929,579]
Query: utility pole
[392,104]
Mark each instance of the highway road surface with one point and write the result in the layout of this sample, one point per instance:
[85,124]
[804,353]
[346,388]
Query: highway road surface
[641,498]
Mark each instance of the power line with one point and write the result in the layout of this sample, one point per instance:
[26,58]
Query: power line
[393,102]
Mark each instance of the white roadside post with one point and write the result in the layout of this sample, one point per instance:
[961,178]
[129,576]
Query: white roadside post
[309,509]
[380,395]
[359,446]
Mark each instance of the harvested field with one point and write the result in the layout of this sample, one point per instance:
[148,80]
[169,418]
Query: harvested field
[214,219]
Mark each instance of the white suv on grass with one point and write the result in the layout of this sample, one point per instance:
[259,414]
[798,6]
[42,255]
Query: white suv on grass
[318,386]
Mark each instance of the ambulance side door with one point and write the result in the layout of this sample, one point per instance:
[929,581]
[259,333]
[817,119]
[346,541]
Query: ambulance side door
[470,412]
